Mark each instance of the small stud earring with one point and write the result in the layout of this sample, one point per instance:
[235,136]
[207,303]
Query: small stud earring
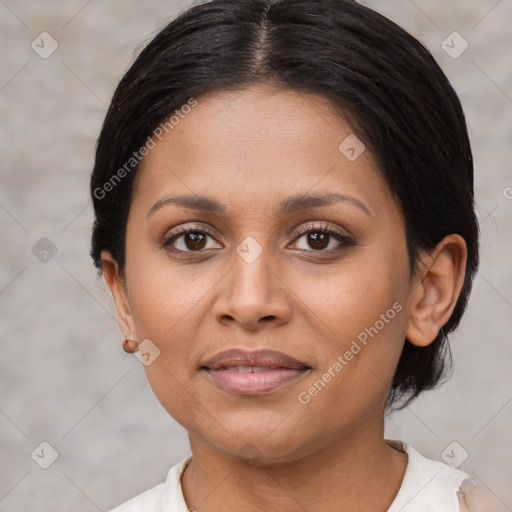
[130,345]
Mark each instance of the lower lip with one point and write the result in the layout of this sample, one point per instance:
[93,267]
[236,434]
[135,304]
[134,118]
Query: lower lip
[254,383]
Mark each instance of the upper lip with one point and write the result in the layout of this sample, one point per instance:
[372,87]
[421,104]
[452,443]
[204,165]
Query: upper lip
[263,358]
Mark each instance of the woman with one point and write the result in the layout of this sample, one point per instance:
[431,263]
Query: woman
[284,207]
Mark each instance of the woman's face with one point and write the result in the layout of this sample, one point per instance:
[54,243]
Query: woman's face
[249,279]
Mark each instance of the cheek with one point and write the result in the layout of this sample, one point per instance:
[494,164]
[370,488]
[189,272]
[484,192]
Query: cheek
[163,299]
[163,302]
[161,292]
[352,297]
[362,309]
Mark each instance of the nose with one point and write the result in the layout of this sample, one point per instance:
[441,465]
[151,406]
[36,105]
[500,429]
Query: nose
[253,295]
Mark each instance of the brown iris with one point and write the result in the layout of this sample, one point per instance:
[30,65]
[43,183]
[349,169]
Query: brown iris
[195,241]
[318,240]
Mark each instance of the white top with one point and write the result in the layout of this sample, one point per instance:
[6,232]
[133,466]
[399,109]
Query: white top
[427,486]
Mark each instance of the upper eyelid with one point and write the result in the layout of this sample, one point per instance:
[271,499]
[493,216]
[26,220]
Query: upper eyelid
[328,227]
[301,230]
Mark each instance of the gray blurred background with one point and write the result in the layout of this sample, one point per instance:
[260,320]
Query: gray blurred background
[65,380]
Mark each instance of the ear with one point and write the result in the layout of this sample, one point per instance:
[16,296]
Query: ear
[436,290]
[117,285]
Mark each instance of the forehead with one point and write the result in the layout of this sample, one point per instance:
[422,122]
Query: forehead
[258,144]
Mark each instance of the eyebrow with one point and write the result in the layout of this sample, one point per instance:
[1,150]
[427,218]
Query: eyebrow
[287,206]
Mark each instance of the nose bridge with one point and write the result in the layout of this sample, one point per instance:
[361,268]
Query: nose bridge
[253,292]
[250,282]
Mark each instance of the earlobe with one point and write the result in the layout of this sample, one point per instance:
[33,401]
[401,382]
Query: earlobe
[130,345]
[433,299]
[116,283]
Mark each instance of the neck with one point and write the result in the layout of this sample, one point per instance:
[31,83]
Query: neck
[357,473]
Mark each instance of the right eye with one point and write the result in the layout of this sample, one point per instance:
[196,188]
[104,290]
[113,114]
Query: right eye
[192,239]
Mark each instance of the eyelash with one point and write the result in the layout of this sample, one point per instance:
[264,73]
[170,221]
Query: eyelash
[344,240]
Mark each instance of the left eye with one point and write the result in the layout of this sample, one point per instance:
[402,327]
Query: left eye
[320,238]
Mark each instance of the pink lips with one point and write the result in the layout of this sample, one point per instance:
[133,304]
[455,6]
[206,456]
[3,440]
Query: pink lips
[253,373]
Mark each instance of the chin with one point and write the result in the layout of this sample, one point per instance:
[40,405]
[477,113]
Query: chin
[256,446]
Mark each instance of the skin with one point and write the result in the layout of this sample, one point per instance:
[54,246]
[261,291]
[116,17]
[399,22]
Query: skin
[250,150]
